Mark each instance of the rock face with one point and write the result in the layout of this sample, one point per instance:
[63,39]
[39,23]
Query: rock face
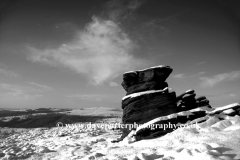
[145,87]
[142,108]
[165,124]
[148,95]
[150,102]
[174,121]
[148,79]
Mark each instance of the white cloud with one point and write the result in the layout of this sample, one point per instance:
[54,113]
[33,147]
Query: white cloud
[8,73]
[199,74]
[182,75]
[102,51]
[219,78]
[12,92]
[120,10]
[223,96]
[88,97]
[201,63]
[42,87]
[232,95]
[113,84]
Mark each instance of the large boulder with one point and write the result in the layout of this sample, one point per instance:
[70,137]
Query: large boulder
[154,74]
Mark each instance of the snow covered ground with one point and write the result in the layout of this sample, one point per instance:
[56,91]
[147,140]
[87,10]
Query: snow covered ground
[211,140]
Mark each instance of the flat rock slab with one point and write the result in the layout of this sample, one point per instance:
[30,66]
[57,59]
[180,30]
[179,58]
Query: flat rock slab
[157,74]
[234,106]
[145,87]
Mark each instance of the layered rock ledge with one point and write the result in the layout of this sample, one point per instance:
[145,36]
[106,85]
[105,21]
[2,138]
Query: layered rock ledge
[147,79]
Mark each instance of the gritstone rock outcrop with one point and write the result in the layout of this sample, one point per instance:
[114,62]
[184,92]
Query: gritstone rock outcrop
[149,101]
[148,96]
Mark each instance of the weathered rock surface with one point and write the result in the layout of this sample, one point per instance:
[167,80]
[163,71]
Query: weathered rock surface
[149,101]
[187,101]
[190,91]
[144,106]
[158,124]
[190,117]
[148,95]
[146,86]
[169,122]
[134,81]
[166,124]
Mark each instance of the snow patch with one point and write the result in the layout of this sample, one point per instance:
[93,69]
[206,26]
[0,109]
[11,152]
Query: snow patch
[145,92]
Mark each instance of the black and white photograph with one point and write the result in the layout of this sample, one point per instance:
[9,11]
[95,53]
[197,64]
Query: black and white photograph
[119,79]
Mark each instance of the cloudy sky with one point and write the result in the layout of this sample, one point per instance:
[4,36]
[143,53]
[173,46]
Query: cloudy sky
[72,53]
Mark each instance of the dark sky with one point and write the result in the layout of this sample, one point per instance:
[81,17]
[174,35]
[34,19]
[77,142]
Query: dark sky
[72,53]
